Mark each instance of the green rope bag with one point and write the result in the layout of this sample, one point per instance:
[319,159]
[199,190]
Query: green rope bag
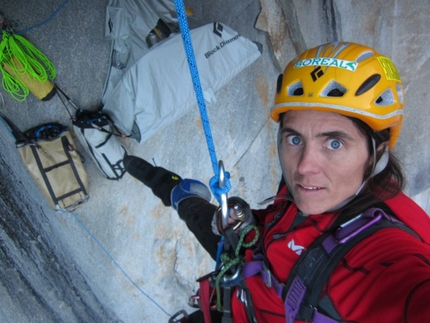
[22,58]
[230,262]
[14,86]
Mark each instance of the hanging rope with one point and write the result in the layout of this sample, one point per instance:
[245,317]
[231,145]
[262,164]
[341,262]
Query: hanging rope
[118,265]
[52,15]
[217,189]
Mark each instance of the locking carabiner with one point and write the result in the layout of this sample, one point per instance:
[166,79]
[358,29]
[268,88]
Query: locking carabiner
[223,196]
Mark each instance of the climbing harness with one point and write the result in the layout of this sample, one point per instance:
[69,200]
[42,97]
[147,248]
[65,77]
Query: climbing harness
[301,294]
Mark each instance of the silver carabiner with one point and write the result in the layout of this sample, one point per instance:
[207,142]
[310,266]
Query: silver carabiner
[222,184]
[228,279]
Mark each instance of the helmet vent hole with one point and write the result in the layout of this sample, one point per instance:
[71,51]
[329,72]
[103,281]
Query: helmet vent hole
[385,99]
[363,56]
[368,84]
[298,92]
[399,89]
[296,89]
[334,89]
[279,83]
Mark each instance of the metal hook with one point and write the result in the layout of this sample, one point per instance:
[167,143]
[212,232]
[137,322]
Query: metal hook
[229,279]
[222,184]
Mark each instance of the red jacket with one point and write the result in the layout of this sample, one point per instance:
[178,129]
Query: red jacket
[385,278]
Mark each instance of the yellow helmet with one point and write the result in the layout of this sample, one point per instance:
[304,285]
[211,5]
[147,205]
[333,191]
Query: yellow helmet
[346,78]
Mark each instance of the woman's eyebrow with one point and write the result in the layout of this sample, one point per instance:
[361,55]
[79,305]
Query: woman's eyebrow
[289,130]
[335,134]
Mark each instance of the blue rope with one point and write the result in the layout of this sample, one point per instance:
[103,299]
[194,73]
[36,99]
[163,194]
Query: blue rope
[117,264]
[52,15]
[183,26]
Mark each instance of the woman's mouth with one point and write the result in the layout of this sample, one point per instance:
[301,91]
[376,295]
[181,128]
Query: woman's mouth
[309,188]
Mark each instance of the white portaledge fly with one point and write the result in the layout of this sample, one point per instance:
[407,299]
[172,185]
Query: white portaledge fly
[157,89]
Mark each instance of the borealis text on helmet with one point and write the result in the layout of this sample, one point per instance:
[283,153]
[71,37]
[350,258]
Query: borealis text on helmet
[329,62]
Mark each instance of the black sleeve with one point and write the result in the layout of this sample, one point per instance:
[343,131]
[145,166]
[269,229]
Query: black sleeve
[197,214]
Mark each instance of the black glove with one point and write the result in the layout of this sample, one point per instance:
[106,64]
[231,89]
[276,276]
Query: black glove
[194,196]
[158,179]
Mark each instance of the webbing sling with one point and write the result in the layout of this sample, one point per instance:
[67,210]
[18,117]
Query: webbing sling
[302,291]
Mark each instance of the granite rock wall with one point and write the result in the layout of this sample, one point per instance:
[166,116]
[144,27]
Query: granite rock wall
[122,256]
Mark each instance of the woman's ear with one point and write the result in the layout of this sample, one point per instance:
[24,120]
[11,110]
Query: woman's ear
[378,159]
[381,149]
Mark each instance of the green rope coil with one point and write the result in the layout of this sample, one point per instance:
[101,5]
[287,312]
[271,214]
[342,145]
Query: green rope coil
[22,57]
[230,262]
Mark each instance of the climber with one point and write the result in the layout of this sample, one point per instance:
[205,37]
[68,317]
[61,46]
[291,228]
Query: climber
[340,109]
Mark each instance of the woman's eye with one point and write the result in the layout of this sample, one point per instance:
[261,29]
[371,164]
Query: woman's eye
[334,144]
[294,140]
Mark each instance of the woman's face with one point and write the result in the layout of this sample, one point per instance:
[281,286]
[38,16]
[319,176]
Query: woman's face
[323,157]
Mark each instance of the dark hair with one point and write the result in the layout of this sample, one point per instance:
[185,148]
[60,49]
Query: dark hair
[383,186]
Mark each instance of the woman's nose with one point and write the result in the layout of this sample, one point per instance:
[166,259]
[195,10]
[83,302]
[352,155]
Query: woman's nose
[308,161]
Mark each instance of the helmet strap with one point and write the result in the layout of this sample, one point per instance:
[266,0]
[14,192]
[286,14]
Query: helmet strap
[378,166]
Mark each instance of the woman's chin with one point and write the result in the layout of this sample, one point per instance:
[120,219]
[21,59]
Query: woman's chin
[312,208]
